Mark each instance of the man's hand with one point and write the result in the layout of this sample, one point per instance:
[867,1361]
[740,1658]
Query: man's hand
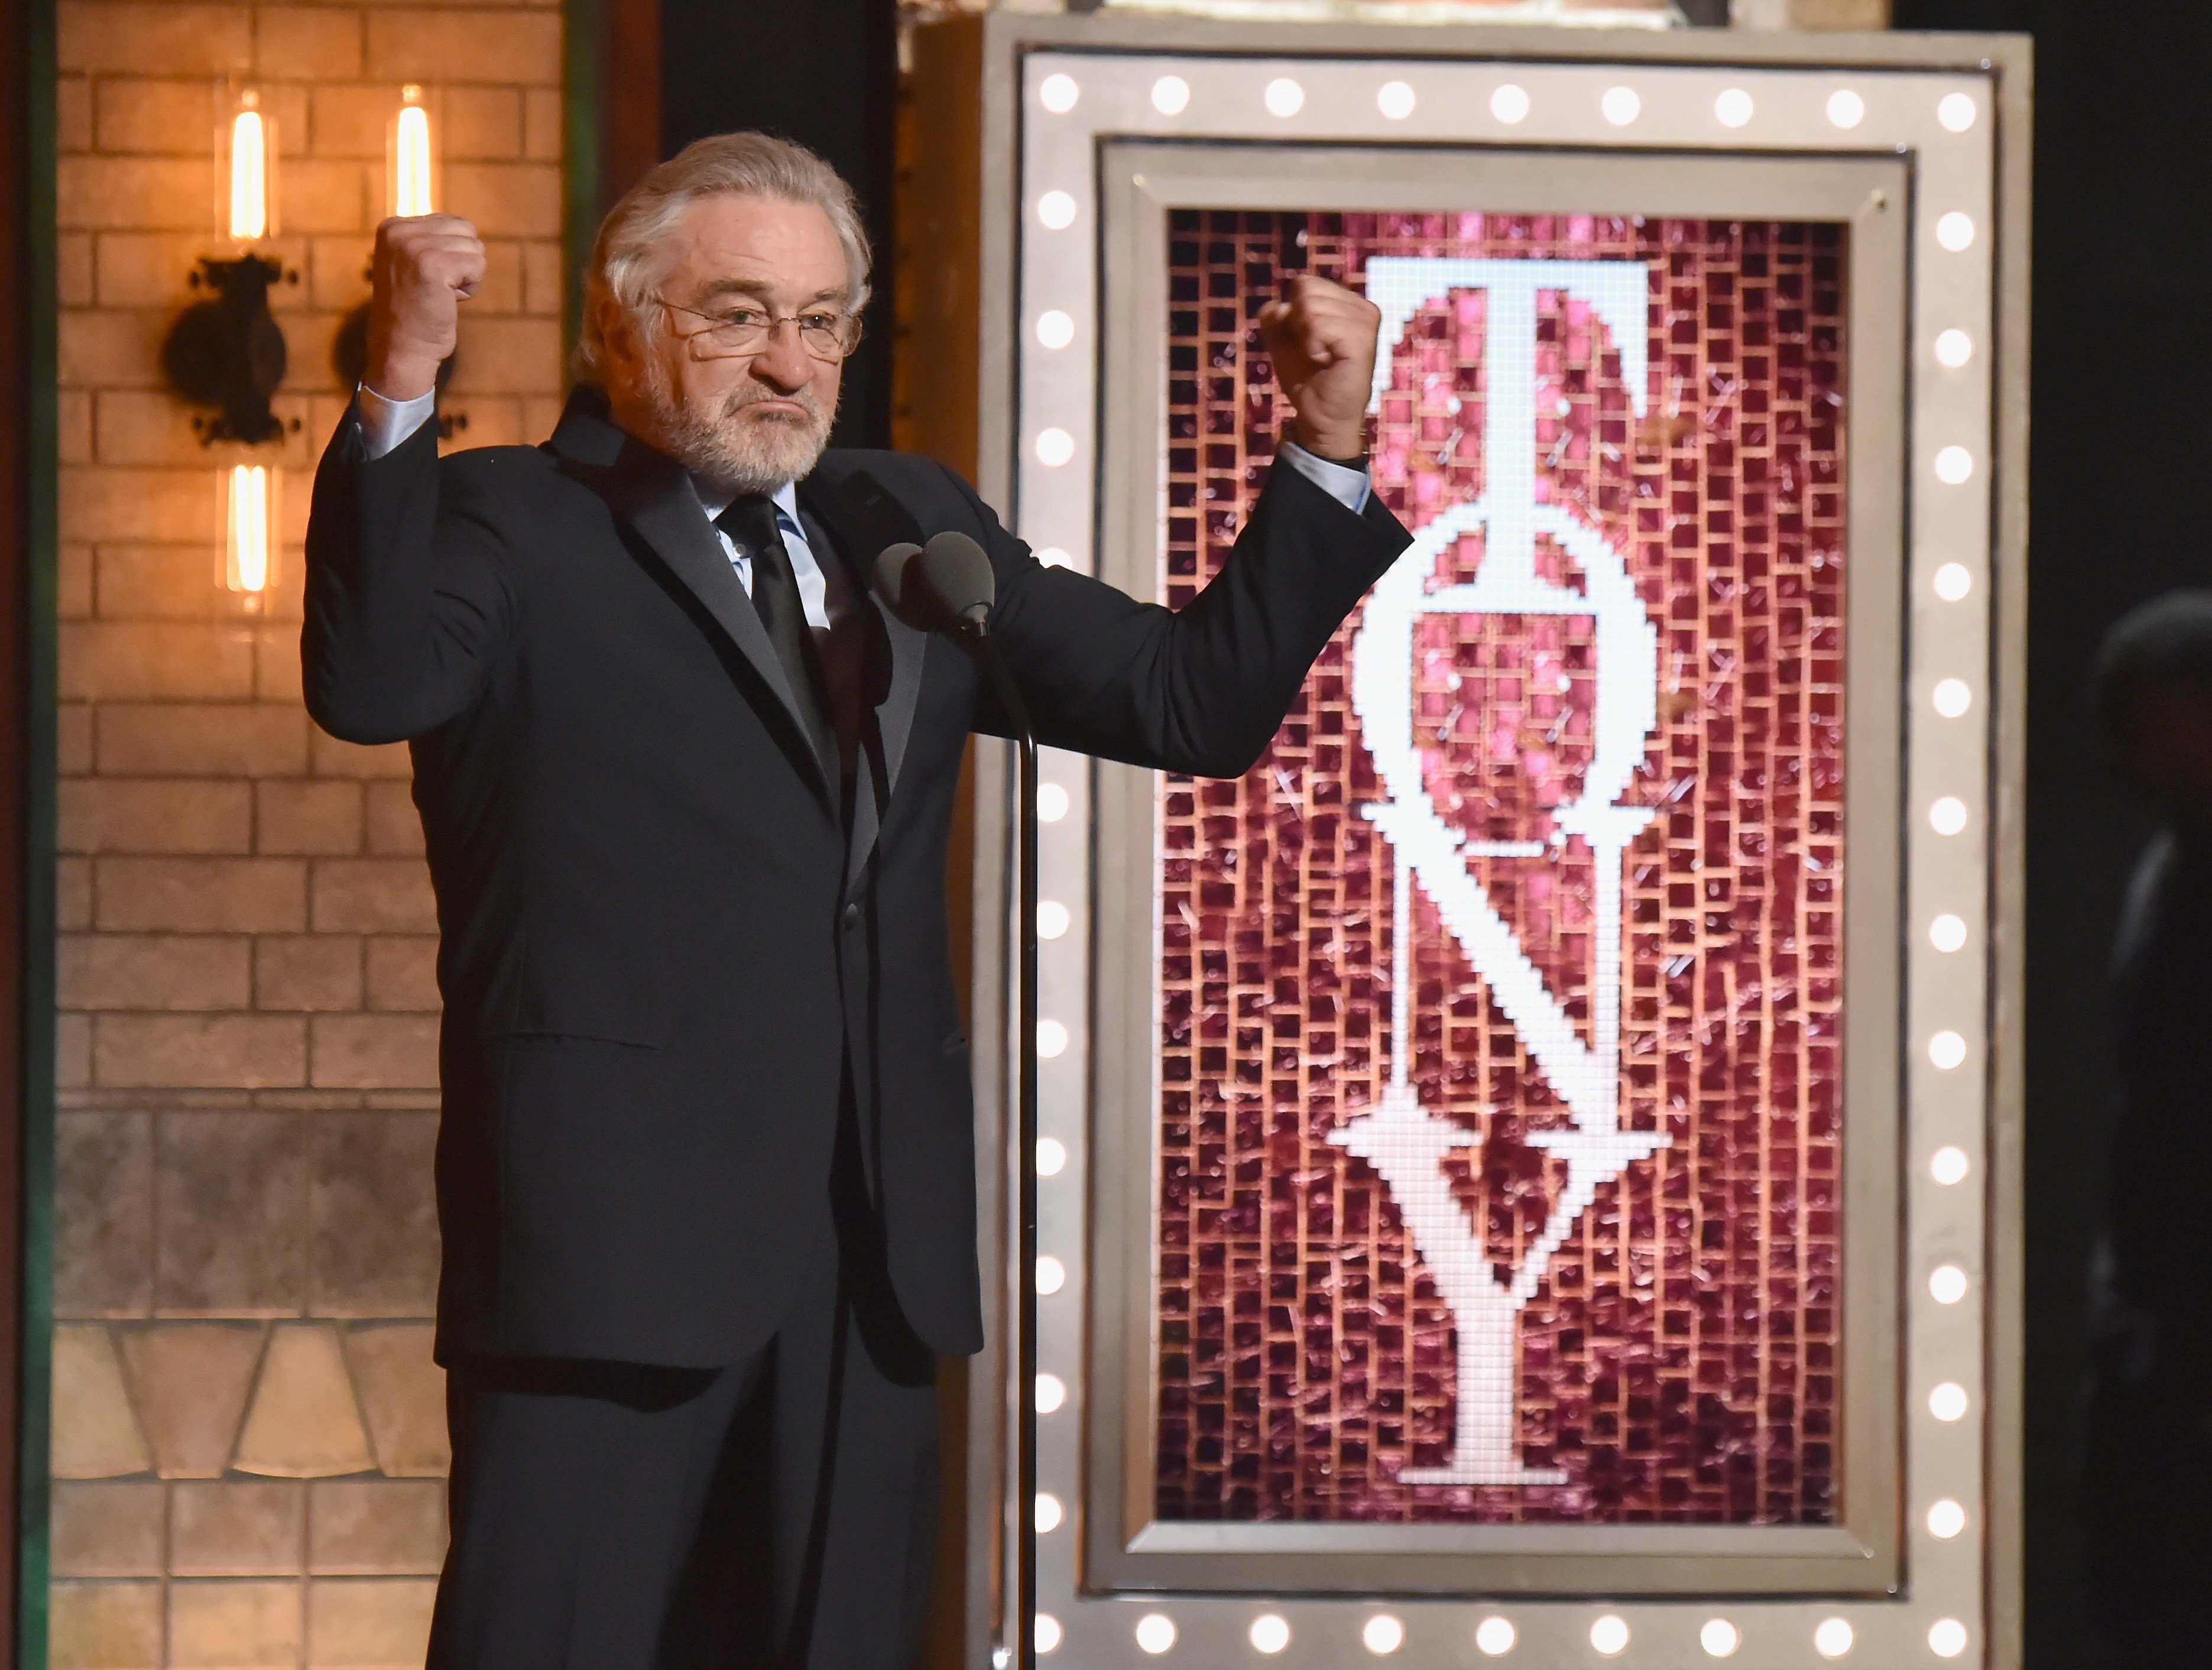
[423,268]
[1323,342]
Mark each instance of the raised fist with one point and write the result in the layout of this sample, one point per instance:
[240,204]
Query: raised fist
[1322,342]
[424,266]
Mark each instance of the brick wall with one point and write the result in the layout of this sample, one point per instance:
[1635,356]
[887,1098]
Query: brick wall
[247,1429]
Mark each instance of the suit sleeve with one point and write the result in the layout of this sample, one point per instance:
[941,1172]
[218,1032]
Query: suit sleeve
[409,599]
[1202,689]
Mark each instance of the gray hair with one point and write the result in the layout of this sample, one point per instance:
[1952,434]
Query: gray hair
[625,265]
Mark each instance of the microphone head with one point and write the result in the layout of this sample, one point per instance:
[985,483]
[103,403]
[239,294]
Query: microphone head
[952,580]
[890,581]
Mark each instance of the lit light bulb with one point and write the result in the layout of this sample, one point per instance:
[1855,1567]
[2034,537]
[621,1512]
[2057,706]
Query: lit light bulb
[1945,1050]
[1946,1637]
[1058,94]
[1947,816]
[1620,106]
[1171,94]
[1383,1634]
[1270,1634]
[1954,466]
[1949,1166]
[1396,100]
[1720,1638]
[1949,1402]
[1047,1512]
[1155,1632]
[1052,798]
[1057,210]
[249,172]
[1734,109]
[410,158]
[1052,917]
[1952,696]
[249,542]
[1946,1519]
[1509,104]
[1052,1156]
[1495,1637]
[1051,1039]
[1833,1638]
[1846,109]
[1956,112]
[1953,581]
[1051,1394]
[1946,932]
[1054,329]
[1284,97]
[1947,1283]
[1051,1275]
[1047,1632]
[1953,349]
[1955,232]
[1609,1636]
[1054,447]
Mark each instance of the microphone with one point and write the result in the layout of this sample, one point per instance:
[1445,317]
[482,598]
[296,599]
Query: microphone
[946,586]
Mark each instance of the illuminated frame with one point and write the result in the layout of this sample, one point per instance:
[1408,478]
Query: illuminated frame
[1046,412]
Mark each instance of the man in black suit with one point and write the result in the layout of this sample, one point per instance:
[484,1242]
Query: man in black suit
[706,1173]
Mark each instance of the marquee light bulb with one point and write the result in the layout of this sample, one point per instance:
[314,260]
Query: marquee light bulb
[1047,1512]
[1947,1283]
[1054,447]
[1949,1166]
[1170,97]
[1054,329]
[1953,349]
[1946,1637]
[1057,210]
[1720,1638]
[411,159]
[1052,798]
[1952,696]
[1156,1632]
[1946,1519]
[249,172]
[1846,108]
[1051,1394]
[1047,1632]
[1734,107]
[1058,94]
[1051,1157]
[1956,112]
[1051,1039]
[1620,106]
[1051,1275]
[1947,816]
[1955,232]
[1270,1634]
[1953,581]
[1495,1637]
[1948,1402]
[1945,1050]
[1609,1636]
[1833,1638]
[1946,932]
[1396,100]
[1052,918]
[1284,97]
[1509,104]
[1383,1634]
[1954,466]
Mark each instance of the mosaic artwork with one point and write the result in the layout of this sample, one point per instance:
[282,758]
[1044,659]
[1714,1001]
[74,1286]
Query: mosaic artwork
[1499,1015]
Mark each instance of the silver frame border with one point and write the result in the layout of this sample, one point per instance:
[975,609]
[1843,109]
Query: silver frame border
[1983,525]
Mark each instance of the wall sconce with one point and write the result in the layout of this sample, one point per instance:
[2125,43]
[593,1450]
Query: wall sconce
[411,183]
[227,352]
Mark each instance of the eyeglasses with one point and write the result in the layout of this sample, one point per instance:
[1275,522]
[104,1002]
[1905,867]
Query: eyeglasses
[823,332]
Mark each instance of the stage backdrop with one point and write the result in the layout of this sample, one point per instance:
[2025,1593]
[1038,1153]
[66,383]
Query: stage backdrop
[1498,1026]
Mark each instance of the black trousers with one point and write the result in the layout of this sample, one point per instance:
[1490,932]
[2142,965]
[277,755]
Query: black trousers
[779,1514]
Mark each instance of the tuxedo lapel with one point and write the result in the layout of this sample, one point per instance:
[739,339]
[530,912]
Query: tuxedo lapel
[863,519]
[652,494]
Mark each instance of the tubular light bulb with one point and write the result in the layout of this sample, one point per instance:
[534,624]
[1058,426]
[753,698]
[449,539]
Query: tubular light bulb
[247,566]
[411,160]
[249,175]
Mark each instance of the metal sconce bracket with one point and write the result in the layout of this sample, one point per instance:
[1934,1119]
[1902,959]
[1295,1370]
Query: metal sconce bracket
[228,353]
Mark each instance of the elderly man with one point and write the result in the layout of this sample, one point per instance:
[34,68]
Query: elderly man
[705,1176]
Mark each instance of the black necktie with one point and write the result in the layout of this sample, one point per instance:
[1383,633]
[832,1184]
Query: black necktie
[750,522]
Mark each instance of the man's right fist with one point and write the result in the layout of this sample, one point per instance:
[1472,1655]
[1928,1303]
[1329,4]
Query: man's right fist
[423,267]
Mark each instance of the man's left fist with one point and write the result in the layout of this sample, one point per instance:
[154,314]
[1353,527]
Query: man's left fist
[1323,341]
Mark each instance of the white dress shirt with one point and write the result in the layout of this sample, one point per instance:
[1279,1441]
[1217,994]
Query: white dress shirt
[823,591]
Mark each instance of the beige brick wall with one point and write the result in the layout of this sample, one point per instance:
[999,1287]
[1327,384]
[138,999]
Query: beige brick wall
[248,1434]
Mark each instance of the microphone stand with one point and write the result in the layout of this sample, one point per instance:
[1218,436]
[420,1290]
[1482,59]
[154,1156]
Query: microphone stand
[1024,1656]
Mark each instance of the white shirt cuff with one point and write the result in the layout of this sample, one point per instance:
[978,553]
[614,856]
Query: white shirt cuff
[385,423]
[1347,486]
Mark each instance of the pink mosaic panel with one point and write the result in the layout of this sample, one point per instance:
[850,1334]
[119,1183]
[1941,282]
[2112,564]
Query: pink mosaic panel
[1678,1362]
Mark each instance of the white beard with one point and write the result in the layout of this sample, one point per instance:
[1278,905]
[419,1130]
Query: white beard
[739,454]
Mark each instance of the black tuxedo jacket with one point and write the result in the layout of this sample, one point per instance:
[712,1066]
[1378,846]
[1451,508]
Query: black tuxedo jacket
[663,951]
